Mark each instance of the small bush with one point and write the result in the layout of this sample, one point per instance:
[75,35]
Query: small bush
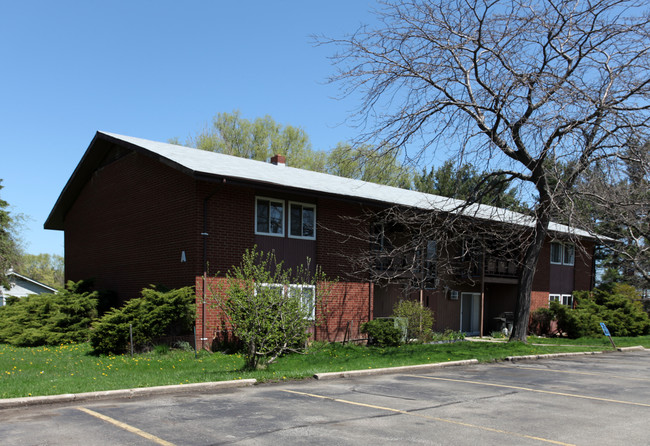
[382,333]
[158,312]
[540,321]
[49,319]
[419,324]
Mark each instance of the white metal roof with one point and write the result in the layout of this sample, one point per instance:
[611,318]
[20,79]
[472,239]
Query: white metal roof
[210,163]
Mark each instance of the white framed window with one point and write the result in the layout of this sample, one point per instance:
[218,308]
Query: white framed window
[562,253]
[307,296]
[453,295]
[569,254]
[305,293]
[269,216]
[564,299]
[302,220]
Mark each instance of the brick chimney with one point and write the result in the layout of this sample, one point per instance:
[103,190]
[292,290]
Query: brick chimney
[279,160]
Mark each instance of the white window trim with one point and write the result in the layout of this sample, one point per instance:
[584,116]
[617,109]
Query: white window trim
[312,304]
[311,205]
[573,256]
[562,247]
[271,200]
[312,315]
[560,298]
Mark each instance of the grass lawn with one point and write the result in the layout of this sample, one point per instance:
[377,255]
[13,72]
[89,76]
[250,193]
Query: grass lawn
[72,368]
[600,341]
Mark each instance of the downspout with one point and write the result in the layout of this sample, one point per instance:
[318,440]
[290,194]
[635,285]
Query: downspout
[482,292]
[204,235]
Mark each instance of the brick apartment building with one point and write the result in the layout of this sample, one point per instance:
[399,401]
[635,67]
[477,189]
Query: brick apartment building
[137,212]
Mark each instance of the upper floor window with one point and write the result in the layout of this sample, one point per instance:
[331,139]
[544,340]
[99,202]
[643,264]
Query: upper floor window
[302,220]
[562,253]
[269,216]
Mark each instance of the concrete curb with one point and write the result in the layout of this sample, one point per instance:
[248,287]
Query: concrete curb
[552,355]
[218,385]
[387,370]
[123,393]
[631,349]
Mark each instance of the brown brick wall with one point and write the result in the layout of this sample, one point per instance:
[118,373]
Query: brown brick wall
[334,248]
[129,226]
[346,306]
[538,299]
[584,271]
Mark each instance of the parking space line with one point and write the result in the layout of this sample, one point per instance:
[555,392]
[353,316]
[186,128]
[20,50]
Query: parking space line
[527,389]
[427,417]
[574,373]
[126,427]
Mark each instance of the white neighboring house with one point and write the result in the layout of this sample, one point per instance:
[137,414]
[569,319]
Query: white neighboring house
[22,286]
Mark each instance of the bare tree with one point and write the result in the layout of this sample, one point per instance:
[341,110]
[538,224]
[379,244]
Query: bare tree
[537,91]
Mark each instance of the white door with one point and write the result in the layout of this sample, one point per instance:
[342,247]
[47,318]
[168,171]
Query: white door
[470,313]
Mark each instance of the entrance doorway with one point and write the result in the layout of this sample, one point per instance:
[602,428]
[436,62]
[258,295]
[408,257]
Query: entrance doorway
[470,313]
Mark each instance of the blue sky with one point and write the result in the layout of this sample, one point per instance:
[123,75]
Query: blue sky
[155,70]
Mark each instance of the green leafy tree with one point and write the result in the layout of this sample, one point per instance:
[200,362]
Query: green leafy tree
[364,163]
[44,268]
[271,308]
[9,243]
[465,182]
[262,138]
[626,254]
[259,139]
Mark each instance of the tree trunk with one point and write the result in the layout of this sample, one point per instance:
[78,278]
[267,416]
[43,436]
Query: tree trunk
[522,305]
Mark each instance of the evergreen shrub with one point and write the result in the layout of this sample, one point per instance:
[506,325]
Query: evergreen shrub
[158,312]
[50,319]
[614,306]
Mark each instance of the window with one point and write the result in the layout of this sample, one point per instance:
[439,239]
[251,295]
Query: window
[431,281]
[305,293]
[564,299]
[269,216]
[302,220]
[562,253]
[569,254]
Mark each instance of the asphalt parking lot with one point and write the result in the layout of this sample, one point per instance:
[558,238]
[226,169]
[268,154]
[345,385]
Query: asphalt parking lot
[582,400]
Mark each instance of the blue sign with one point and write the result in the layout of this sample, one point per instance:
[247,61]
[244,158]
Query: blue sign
[605,330]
